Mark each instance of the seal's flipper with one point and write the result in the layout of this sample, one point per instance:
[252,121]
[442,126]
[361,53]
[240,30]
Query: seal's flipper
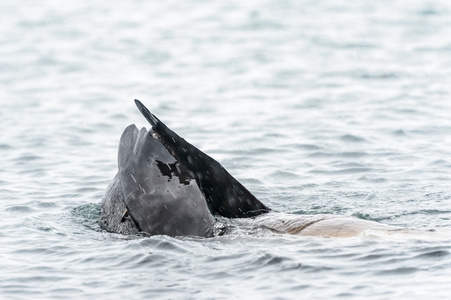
[147,114]
[224,194]
[160,194]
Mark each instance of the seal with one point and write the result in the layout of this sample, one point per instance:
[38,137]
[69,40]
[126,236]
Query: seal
[167,186]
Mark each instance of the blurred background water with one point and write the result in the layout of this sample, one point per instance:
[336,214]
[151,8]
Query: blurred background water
[339,107]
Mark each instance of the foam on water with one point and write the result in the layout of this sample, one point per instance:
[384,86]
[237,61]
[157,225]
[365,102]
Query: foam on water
[331,107]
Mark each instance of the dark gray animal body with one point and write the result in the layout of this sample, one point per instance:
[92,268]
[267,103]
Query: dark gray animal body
[114,215]
[167,186]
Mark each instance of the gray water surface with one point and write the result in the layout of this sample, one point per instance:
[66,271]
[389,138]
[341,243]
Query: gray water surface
[317,107]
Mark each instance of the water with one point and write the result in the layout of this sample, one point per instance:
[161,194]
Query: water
[336,107]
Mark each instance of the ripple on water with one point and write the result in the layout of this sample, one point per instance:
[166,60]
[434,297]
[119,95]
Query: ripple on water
[27,158]
[86,215]
[310,147]
[165,244]
[398,271]
[51,251]
[352,138]
[341,171]
[21,209]
[433,255]
[386,75]
[370,257]
[345,154]
[399,132]
[270,260]
[352,154]
[279,174]
[373,179]
[86,189]
[149,260]
[46,204]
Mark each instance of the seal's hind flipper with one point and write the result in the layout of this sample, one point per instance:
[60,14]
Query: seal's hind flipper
[147,114]
[224,194]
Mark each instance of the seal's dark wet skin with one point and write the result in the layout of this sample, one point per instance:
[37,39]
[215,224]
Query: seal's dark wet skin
[157,203]
[158,193]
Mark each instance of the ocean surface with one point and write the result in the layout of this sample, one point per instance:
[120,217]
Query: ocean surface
[317,107]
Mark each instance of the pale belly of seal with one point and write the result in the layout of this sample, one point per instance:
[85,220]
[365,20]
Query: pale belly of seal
[319,225]
[343,227]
